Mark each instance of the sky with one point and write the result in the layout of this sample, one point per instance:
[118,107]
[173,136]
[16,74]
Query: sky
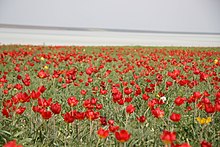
[153,15]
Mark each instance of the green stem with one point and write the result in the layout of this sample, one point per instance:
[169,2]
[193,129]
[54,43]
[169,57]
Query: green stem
[98,142]
[120,144]
[77,131]
[90,132]
[126,115]
[67,129]
[54,128]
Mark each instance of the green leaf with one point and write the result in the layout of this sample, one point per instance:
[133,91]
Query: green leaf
[19,133]
[25,141]
[3,132]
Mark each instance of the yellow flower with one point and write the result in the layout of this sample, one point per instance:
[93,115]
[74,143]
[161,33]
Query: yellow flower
[42,58]
[203,121]
[46,67]
[216,61]
[208,120]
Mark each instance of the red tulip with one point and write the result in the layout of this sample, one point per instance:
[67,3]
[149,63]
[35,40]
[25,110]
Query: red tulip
[19,77]
[217,105]
[89,71]
[130,109]
[141,119]
[5,112]
[46,114]
[7,103]
[93,101]
[145,97]
[44,102]
[68,117]
[157,112]
[127,91]
[5,91]
[41,89]
[168,137]
[159,77]
[35,95]
[179,101]
[209,108]
[18,86]
[103,121]
[26,82]
[169,83]
[113,128]
[203,76]
[12,144]
[55,108]
[22,97]
[197,95]
[217,95]
[103,133]
[111,122]
[175,117]
[80,115]
[99,106]
[20,110]
[205,144]
[205,93]
[72,101]
[128,99]
[181,145]
[90,79]
[42,74]
[138,91]
[91,115]
[83,92]
[103,92]
[122,136]
[88,104]
[152,103]
[121,102]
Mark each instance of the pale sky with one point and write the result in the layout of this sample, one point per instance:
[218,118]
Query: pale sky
[155,15]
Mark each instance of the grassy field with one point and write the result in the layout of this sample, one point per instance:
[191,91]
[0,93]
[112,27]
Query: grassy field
[109,96]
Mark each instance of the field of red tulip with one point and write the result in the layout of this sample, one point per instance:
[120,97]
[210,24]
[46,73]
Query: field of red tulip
[109,96]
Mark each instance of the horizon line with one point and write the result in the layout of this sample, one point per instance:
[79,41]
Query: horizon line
[39,27]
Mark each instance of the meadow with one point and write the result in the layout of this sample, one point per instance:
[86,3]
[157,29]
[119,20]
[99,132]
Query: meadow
[109,96]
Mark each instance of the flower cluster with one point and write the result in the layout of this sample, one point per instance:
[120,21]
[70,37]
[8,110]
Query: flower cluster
[107,96]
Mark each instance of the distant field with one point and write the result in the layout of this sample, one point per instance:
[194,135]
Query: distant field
[103,37]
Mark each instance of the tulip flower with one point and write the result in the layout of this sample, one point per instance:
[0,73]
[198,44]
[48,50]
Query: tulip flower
[168,137]
[42,74]
[175,117]
[130,109]
[46,114]
[102,133]
[12,144]
[72,101]
[55,108]
[122,136]
[141,119]
[205,144]
[157,112]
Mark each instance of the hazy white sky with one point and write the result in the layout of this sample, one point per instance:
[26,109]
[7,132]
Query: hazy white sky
[159,15]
